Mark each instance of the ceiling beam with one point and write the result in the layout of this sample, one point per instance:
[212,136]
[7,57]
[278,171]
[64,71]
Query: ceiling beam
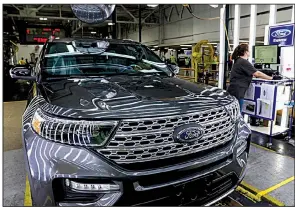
[73,18]
[36,9]
[16,7]
[126,10]
[40,7]
[80,27]
[150,14]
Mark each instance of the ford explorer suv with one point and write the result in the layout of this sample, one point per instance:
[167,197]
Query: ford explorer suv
[109,123]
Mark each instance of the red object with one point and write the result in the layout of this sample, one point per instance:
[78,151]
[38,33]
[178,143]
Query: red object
[288,69]
[46,29]
[28,31]
[40,39]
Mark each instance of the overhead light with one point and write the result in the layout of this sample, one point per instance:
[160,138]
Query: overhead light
[184,48]
[214,5]
[152,49]
[93,32]
[152,5]
[156,46]
[166,48]
[41,18]
[111,23]
[185,45]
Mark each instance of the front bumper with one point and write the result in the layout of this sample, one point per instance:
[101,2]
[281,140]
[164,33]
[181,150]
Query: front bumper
[198,182]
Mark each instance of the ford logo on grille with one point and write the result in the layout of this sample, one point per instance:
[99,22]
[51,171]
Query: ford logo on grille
[188,133]
[281,33]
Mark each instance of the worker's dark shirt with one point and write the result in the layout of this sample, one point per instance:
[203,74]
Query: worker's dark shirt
[240,78]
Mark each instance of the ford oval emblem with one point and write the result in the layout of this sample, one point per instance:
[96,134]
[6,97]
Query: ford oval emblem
[188,133]
[281,33]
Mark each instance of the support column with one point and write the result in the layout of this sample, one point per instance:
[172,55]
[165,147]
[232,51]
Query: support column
[226,46]
[160,25]
[221,48]
[237,26]
[292,17]
[119,36]
[272,14]
[139,23]
[252,34]
[114,26]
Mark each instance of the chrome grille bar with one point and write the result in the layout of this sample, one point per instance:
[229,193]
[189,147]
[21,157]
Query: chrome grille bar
[152,139]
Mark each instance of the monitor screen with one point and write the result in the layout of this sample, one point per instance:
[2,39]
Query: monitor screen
[266,54]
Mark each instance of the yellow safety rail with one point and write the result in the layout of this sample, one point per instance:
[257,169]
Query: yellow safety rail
[193,74]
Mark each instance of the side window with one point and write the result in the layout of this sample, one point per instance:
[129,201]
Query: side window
[151,56]
[36,69]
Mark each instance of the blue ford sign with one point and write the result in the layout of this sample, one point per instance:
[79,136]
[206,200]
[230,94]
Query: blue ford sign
[188,133]
[282,35]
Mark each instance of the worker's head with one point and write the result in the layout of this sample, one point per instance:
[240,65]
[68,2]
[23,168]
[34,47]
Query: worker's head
[22,58]
[241,51]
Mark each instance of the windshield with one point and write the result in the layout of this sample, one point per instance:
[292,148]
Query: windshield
[64,59]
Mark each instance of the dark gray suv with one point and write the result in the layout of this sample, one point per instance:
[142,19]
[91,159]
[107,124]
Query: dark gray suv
[108,123]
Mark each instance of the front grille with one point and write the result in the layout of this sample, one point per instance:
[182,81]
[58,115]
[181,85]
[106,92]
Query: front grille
[152,139]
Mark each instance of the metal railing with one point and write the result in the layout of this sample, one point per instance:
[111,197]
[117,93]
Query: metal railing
[189,74]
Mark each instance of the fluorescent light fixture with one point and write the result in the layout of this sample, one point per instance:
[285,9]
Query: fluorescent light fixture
[156,46]
[184,48]
[41,18]
[93,32]
[111,23]
[152,49]
[170,49]
[185,45]
[214,5]
[166,48]
[152,5]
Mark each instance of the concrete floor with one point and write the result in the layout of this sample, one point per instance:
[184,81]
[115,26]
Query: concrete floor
[12,124]
[265,168]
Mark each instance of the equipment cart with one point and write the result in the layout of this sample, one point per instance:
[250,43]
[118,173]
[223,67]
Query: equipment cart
[262,101]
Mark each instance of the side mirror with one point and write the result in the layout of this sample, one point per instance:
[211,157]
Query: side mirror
[175,68]
[22,73]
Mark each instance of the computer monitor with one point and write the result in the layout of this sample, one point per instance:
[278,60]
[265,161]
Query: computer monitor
[266,54]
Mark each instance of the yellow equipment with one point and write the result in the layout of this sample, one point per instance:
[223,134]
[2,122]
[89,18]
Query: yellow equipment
[202,55]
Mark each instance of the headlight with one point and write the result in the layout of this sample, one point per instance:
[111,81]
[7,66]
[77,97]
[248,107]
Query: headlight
[83,133]
[234,110]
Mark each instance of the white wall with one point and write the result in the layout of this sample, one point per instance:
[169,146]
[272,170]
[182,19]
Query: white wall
[191,30]
[25,51]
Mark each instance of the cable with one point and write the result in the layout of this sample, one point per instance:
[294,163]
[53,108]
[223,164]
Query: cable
[213,18]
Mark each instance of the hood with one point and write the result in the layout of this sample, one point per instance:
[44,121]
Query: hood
[130,96]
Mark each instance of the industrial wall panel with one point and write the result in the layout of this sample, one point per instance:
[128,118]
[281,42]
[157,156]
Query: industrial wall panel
[178,31]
